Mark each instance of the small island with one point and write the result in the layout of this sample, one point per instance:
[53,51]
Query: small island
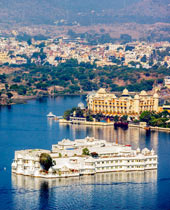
[82,157]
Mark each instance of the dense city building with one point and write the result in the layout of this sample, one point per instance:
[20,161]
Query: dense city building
[4,57]
[134,54]
[167,81]
[109,104]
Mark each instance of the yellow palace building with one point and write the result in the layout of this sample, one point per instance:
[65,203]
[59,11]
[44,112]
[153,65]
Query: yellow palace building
[109,105]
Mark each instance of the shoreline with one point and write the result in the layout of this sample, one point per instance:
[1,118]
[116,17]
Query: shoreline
[52,177]
[63,121]
[122,176]
[152,128]
[24,99]
[18,100]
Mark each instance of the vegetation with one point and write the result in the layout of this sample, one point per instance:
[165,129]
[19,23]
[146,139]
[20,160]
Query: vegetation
[74,78]
[96,38]
[116,118]
[75,110]
[92,39]
[85,151]
[156,119]
[9,95]
[89,117]
[98,117]
[68,113]
[46,161]
[27,37]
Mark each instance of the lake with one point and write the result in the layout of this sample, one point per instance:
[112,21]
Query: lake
[25,126]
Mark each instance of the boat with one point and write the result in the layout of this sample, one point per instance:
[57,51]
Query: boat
[51,115]
[123,125]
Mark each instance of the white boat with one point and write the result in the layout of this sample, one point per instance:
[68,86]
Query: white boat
[51,115]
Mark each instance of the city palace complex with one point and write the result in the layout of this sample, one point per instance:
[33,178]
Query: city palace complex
[109,104]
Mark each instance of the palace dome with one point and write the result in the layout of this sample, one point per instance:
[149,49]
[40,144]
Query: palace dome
[113,95]
[125,92]
[143,93]
[81,105]
[136,96]
[101,91]
[156,95]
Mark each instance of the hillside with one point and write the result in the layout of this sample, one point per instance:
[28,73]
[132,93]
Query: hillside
[149,11]
[28,12]
[73,78]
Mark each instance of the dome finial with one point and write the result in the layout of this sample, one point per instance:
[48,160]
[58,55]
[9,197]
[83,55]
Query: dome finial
[125,92]
[101,91]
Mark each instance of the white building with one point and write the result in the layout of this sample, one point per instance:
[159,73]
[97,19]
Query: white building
[167,81]
[70,161]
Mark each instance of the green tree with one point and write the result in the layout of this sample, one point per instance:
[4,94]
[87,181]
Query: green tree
[85,151]
[116,118]
[46,161]
[3,78]
[29,42]
[35,55]
[17,79]
[144,59]
[145,116]
[6,86]
[98,117]
[124,118]
[165,113]
[125,38]
[89,117]
[129,48]
[79,112]
[74,88]
[9,94]
[67,114]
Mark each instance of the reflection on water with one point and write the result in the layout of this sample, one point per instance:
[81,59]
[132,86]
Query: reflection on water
[32,183]
[50,121]
[134,136]
[101,191]
[30,121]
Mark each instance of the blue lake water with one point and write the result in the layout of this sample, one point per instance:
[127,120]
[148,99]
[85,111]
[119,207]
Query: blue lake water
[26,126]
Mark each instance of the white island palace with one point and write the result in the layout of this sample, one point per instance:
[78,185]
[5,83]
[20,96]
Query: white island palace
[69,161]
